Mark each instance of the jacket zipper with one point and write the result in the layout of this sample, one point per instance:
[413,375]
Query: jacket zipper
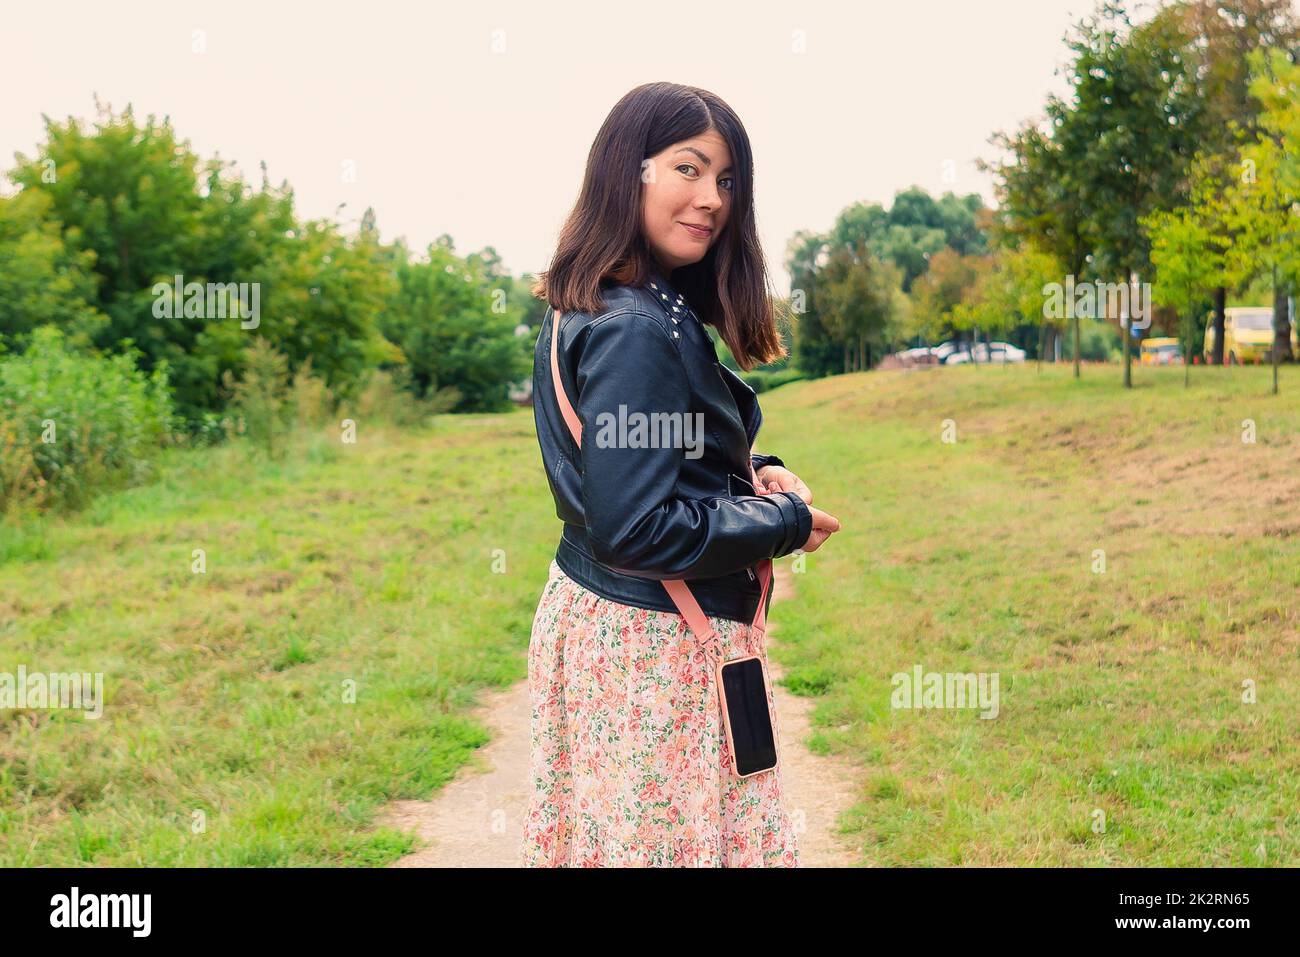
[717,367]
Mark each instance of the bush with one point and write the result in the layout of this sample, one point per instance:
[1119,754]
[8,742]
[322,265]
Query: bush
[265,404]
[275,412]
[74,423]
[387,397]
[311,399]
[258,407]
[761,381]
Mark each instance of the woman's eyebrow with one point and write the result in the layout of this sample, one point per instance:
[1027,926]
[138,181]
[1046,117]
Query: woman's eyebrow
[705,159]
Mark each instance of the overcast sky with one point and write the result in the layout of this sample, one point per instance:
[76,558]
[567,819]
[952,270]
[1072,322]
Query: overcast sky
[475,119]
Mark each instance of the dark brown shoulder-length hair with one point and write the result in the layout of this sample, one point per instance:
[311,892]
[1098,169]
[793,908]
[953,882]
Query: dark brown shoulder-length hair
[602,242]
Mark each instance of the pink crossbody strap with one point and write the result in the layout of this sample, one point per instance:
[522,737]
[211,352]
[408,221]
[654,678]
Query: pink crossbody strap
[677,589]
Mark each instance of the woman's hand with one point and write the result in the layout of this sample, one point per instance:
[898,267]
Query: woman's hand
[824,525]
[778,478]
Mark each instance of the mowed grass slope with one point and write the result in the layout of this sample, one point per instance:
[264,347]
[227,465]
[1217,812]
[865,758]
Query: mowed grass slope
[1122,736]
[357,598]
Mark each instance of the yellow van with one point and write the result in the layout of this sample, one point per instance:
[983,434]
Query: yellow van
[1160,351]
[1247,335]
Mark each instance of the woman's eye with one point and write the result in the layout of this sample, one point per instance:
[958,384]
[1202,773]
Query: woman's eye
[729,180]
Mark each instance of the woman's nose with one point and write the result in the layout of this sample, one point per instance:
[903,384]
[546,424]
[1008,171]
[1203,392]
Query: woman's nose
[709,198]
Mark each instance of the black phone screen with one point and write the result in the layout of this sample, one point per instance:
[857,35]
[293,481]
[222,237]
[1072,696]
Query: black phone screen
[745,697]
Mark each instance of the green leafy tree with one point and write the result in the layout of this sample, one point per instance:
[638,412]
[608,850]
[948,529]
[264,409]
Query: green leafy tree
[454,332]
[1221,36]
[323,292]
[815,354]
[1116,149]
[860,303]
[42,282]
[1039,208]
[1260,207]
[938,292]
[912,230]
[828,270]
[127,194]
[1133,125]
[1006,290]
[134,204]
[1188,266]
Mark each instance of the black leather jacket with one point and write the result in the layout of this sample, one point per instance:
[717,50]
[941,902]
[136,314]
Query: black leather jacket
[634,516]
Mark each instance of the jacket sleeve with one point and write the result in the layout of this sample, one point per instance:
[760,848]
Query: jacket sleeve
[635,523]
[759,460]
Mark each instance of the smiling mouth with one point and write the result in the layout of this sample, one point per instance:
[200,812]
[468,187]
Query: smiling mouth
[701,232]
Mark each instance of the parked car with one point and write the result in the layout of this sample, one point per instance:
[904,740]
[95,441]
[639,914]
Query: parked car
[1160,351]
[1247,335]
[987,352]
[944,350]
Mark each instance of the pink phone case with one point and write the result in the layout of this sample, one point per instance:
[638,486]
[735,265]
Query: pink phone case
[726,717]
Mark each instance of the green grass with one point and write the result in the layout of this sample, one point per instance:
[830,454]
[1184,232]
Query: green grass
[1121,691]
[325,663]
[229,734]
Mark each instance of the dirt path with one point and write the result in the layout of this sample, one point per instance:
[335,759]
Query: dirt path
[476,820]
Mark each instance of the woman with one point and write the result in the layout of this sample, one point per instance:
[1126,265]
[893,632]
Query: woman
[630,763]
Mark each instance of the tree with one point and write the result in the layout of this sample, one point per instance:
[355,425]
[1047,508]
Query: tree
[134,201]
[859,302]
[1007,290]
[1038,199]
[941,289]
[1188,266]
[913,229]
[1260,207]
[1131,131]
[1115,150]
[828,270]
[1222,34]
[41,280]
[441,316]
[814,352]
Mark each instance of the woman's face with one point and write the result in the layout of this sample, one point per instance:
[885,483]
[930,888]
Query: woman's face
[688,184]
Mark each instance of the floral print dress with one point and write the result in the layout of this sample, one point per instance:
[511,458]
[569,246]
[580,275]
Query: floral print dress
[629,763]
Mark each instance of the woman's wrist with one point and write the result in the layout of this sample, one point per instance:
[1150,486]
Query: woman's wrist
[798,518]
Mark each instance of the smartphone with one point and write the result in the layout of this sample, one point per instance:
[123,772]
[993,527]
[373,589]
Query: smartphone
[747,715]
